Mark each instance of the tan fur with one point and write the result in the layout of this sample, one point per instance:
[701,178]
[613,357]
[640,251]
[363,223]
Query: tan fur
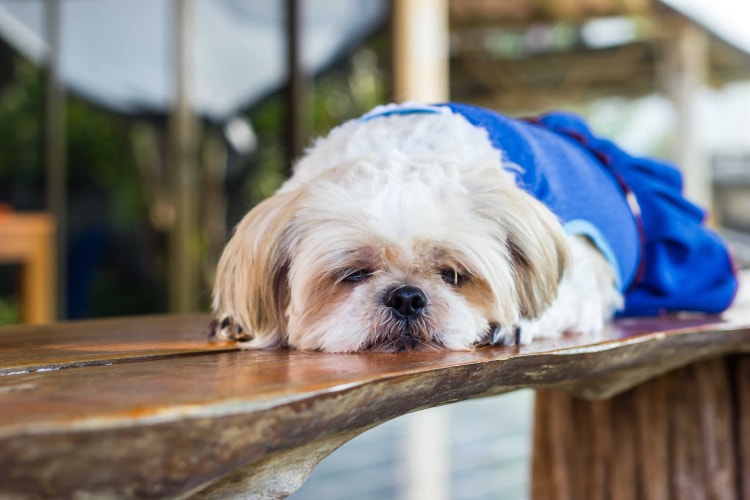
[251,278]
[533,235]
[539,255]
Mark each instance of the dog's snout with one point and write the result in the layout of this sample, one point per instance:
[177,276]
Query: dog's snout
[406,301]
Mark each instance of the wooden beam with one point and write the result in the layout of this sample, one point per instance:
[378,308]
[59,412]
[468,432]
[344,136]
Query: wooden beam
[419,31]
[524,12]
[214,200]
[420,50]
[296,87]
[425,455]
[683,72]
[542,81]
[54,154]
[183,271]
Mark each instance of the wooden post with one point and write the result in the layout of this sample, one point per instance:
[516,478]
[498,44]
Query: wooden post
[419,30]
[296,88]
[682,435]
[54,154]
[184,268]
[683,71]
[214,200]
[426,469]
[420,50]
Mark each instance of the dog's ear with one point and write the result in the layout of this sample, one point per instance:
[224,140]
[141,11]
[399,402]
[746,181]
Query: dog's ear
[530,234]
[251,290]
[539,251]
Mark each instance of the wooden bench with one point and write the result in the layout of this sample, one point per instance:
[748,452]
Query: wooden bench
[146,407]
[28,239]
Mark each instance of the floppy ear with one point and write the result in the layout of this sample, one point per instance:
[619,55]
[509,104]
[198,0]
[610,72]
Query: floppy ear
[251,290]
[538,247]
[530,233]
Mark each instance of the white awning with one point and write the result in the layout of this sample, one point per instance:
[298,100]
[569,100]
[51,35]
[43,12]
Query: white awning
[119,53]
[726,19]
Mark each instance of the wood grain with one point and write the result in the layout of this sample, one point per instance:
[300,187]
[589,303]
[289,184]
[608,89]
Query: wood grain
[30,348]
[741,371]
[679,436]
[147,407]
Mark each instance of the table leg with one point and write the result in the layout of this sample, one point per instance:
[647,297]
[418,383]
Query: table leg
[38,280]
[683,435]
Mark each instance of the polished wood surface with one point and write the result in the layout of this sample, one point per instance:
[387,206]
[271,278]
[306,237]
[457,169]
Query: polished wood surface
[149,407]
[31,348]
[27,239]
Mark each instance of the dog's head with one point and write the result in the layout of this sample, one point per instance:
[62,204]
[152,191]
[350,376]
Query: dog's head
[418,255]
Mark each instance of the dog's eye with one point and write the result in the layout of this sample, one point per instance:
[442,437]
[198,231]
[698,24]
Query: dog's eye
[355,275]
[453,277]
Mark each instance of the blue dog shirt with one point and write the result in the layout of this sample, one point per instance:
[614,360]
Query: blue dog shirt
[631,208]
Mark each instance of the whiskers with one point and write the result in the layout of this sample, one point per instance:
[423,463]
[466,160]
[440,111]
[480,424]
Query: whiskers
[391,333]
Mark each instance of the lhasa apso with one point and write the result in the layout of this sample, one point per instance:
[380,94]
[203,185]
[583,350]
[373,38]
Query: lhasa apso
[423,227]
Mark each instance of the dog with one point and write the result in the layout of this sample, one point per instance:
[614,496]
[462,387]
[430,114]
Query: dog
[451,227]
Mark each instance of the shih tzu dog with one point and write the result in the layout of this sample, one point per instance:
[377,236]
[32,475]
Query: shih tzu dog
[426,227]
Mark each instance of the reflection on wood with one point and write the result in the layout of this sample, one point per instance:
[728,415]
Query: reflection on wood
[148,407]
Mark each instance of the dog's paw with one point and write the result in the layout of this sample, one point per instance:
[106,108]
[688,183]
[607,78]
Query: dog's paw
[506,335]
[547,326]
[498,335]
[227,329]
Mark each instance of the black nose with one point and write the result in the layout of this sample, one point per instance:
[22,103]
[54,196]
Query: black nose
[406,301]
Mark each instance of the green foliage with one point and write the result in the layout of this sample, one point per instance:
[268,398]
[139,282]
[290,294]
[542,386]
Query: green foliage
[267,167]
[106,193]
[21,107]
[115,200]
[349,91]
[344,92]
[98,153]
[9,311]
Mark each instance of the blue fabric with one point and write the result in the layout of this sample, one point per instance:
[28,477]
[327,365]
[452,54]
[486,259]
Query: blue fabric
[666,259]
[570,181]
[685,265]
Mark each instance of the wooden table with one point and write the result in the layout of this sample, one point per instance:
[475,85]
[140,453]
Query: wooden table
[146,407]
[28,239]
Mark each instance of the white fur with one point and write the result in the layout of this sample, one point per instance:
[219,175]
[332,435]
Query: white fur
[406,197]
[586,298]
[421,137]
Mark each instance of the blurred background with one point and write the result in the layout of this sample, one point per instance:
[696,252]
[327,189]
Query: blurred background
[134,134]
